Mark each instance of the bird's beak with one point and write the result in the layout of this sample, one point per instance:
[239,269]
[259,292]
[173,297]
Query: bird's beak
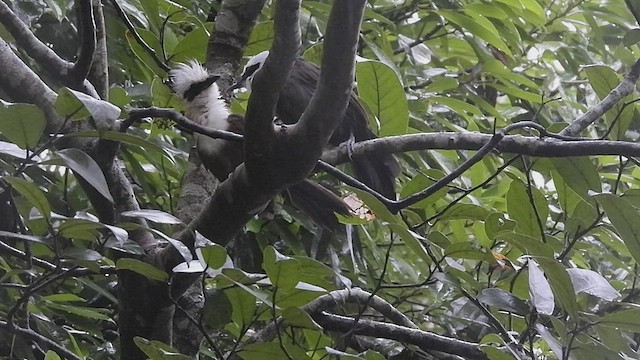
[238,84]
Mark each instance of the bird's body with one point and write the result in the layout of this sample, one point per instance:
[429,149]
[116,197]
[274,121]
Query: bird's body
[201,96]
[377,171]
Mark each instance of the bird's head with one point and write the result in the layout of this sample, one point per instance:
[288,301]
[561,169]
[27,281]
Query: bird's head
[188,80]
[254,64]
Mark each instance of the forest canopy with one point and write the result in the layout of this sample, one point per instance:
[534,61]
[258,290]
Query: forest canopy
[508,129]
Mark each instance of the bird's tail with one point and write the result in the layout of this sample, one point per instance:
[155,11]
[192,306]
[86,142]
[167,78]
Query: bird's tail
[378,171]
[318,203]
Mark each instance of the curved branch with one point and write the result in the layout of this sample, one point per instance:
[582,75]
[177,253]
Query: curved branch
[259,129]
[34,336]
[35,48]
[18,80]
[332,95]
[87,48]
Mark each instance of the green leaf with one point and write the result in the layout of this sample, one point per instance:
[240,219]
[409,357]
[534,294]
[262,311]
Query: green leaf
[214,255]
[23,124]
[523,212]
[260,39]
[561,284]
[84,166]
[481,28]
[63,298]
[77,105]
[157,350]
[503,300]
[31,193]
[272,350]
[579,174]
[217,309]
[294,316]
[85,312]
[190,47]
[51,355]
[625,320]
[380,88]
[142,268]
[527,244]
[121,137]
[244,306]
[157,216]
[603,79]
[623,217]
[283,271]
[632,37]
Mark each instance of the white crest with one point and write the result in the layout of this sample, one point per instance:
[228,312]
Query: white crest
[206,108]
[257,59]
[185,75]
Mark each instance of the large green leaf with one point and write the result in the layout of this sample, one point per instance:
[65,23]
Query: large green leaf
[87,168]
[31,193]
[624,218]
[382,91]
[23,124]
[142,268]
[77,105]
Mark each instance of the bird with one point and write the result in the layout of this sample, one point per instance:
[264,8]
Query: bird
[198,90]
[377,171]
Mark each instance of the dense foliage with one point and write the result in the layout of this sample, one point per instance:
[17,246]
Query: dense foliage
[529,253]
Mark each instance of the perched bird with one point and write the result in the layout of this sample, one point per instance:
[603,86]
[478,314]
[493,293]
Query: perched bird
[204,105]
[379,172]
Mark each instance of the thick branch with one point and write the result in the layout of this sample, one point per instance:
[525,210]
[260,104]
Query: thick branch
[25,86]
[99,75]
[259,130]
[425,340]
[40,52]
[87,47]
[234,23]
[332,95]
[516,144]
[626,87]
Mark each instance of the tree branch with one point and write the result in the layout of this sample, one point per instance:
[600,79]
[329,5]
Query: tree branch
[87,46]
[260,147]
[626,87]
[18,80]
[425,340]
[335,85]
[36,49]
[34,336]
[99,75]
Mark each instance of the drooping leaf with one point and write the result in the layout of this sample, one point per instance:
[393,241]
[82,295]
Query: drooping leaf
[592,283]
[31,193]
[156,216]
[540,290]
[87,168]
[78,105]
[142,268]
[503,300]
